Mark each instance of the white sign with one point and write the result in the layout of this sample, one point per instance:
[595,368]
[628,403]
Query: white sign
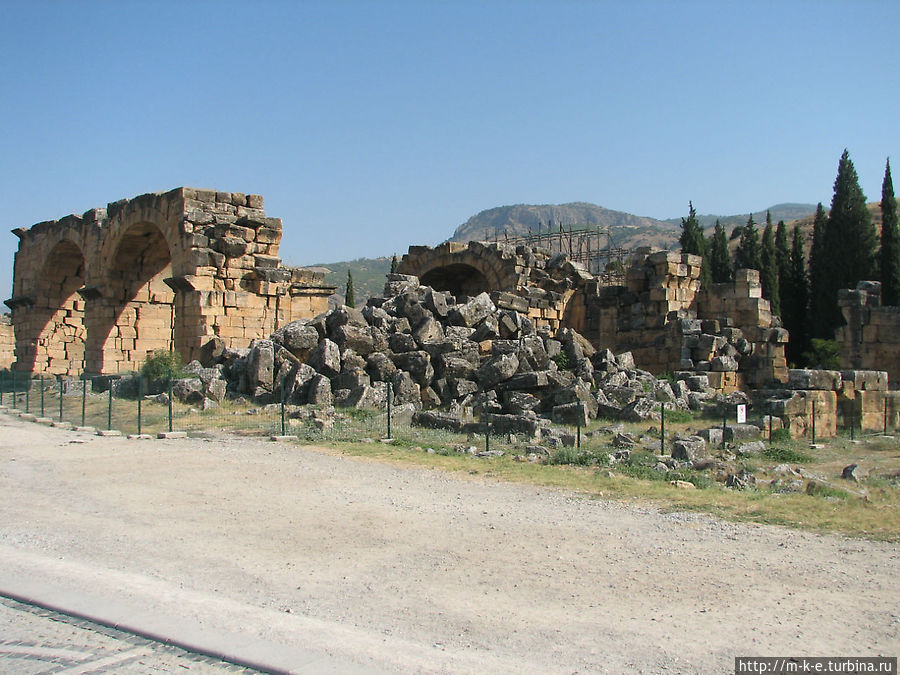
[741,414]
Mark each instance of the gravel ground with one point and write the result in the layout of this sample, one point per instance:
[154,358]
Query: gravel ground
[410,570]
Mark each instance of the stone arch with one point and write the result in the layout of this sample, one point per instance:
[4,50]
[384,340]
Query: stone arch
[464,269]
[459,279]
[137,313]
[54,337]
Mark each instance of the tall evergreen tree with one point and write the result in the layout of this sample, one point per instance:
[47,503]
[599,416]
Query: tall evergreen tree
[818,277]
[850,240]
[768,270]
[350,294]
[692,241]
[394,264]
[783,258]
[795,300]
[890,242]
[719,256]
[748,254]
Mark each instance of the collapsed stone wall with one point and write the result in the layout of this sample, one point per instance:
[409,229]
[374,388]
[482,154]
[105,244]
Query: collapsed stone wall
[163,271]
[871,337]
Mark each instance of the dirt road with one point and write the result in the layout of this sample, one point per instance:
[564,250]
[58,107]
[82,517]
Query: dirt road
[408,570]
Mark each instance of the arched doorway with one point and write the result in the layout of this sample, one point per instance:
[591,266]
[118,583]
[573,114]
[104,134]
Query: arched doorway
[57,317]
[139,316]
[459,279]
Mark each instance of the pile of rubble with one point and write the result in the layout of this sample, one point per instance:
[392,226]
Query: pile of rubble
[447,359]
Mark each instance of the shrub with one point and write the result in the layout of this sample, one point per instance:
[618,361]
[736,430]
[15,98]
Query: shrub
[161,365]
[562,361]
[780,453]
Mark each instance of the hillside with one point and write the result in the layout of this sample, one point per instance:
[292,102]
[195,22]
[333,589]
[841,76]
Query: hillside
[626,230]
[785,212]
[368,277]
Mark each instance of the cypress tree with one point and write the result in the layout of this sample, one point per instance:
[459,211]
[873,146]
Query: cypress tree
[818,276]
[783,257]
[748,253]
[394,264]
[795,300]
[768,270]
[850,237]
[890,242]
[719,256]
[692,241]
[850,242]
[350,295]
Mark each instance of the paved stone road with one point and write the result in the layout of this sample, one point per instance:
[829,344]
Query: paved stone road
[34,641]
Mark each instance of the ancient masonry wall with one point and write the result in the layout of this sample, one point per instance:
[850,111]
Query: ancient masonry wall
[871,337]
[164,271]
[7,341]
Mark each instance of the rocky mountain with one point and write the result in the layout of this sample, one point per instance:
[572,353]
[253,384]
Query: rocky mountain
[626,229]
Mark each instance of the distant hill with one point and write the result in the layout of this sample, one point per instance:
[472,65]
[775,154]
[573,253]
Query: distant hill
[785,212]
[626,230]
[368,277]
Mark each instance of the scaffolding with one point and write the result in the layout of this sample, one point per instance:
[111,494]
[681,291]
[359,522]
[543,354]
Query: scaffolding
[590,245]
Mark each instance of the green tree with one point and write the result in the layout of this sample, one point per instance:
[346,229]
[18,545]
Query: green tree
[850,241]
[783,258]
[692,241]
[768,269]
[890,242]
[719,256]
[795,300]
[748,252]
[819,300]
[394,264]
[349,294]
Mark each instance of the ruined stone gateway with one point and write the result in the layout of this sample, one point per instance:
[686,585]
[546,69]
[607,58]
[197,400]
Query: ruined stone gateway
[99,292]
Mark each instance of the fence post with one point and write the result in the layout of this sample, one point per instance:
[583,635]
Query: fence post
[170,403]
[83,396]
[884,433]
[487,428]
[109,407]
[28,394]
[770,427]
[2,383]
[140,400]
[814,423]
[662,429]
[724,424]
[388,386]
[15,401]
[578,430]
[282,406]
[60,398]
[42,394]
[852,424]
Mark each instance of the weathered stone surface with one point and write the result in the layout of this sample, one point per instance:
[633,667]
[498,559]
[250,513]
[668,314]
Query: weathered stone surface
[497,369]
[299,337]
[689,448]
[261,365]
[639,410]
[380,367]
[814,379]
[472,312]
[741,432]
[320,391]
[326,358]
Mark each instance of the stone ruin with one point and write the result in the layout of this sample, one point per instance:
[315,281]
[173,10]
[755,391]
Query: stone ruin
[533,336]
[99,292]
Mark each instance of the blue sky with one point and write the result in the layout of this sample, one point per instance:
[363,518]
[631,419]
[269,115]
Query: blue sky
[370,126]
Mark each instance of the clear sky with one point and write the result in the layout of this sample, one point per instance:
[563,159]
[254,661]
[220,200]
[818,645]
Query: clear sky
[369,126]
